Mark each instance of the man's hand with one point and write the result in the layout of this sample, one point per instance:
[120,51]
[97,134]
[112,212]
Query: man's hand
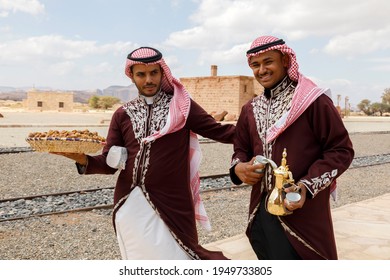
[79,158]
[299,204]
[249,173]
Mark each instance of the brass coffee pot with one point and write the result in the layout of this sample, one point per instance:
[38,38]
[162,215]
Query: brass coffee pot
[283,177]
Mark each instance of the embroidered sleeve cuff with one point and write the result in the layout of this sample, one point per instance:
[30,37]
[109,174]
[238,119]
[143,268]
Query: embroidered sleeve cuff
[309,193]
[317,184]
[233,175]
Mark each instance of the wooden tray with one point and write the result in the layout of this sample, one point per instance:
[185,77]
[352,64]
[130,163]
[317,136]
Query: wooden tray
[65,145]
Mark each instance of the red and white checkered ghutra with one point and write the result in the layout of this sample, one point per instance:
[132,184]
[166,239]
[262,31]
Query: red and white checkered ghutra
[178,112]
[305,93]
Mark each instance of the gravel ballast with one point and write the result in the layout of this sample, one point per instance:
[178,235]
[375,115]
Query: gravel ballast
[89,235]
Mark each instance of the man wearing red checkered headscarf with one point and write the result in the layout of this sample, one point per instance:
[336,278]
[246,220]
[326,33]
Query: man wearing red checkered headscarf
[293,114]
[157,201]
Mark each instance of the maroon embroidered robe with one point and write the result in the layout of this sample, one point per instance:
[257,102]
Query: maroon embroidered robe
[161,166]
[318,151]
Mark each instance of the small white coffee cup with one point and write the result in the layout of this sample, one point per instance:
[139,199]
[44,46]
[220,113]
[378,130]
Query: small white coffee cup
[293,196]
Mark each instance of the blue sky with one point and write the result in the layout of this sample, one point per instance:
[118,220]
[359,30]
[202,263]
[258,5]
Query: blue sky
[82,44]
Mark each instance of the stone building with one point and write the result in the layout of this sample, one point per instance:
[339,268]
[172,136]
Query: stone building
[222,93]
[49,101]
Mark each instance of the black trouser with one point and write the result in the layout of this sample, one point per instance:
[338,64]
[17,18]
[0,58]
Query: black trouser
[268,238]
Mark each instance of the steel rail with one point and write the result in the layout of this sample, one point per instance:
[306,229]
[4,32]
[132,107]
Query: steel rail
[216,176]
[108,206]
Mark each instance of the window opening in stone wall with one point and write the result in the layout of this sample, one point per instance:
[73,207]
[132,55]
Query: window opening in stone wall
[39,103]
[245,88]
[61,104]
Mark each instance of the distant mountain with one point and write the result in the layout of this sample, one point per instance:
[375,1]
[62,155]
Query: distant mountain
[13,95]
[6,89]
[124,93]
[82,96]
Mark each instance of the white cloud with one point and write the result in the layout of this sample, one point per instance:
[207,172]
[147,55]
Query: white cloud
[101,68]
[234,55]
[221,24]
[62,68]
[56,47]
[5,28]
[217,32]
[355,91]
[175,3]
[32,7]
[341,82]
[172,61]
[54,60]
[382,68]
[215,22]
[193,38]
[359,42]
[44,47]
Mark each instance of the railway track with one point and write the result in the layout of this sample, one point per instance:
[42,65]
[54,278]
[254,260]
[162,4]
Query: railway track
[83,200]
[101,198]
